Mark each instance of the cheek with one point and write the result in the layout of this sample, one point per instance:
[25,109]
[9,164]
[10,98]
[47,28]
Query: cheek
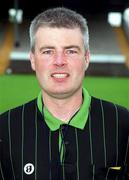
[80,67]
[39,65]
[42,71]
[78,72]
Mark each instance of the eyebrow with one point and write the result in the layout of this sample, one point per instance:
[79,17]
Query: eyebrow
[72,46]
[46,47]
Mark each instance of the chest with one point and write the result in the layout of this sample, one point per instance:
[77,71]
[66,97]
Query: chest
[69,152]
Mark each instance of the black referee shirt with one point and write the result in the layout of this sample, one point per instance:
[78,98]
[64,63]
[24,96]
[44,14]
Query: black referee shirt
[29,149]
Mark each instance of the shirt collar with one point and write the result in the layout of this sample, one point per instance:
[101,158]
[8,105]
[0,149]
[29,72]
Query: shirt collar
[77,121]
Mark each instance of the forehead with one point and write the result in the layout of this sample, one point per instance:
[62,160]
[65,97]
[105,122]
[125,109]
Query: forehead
[50,34]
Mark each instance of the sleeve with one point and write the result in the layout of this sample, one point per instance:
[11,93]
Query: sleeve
[127,162]
[2,122]
[124,116]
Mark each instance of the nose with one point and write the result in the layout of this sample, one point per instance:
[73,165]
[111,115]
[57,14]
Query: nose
[60,59]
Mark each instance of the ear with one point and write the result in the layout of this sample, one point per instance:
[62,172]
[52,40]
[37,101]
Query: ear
[32,60]
[87,59]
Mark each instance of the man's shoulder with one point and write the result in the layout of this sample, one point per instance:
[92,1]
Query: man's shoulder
[109,106]
[111,114]
[17,111]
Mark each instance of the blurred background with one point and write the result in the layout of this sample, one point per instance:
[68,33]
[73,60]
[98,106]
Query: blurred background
[108,73]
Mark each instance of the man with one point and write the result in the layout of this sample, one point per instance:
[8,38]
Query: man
[64,134]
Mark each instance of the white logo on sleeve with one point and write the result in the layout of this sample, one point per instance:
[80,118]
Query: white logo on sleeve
[29,168]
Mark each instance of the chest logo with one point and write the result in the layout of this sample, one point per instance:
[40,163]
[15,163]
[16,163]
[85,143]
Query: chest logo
[29,168]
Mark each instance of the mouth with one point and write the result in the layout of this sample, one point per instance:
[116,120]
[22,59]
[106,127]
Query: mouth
[60,75]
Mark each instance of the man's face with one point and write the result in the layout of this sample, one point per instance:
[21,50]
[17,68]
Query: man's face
[59,61]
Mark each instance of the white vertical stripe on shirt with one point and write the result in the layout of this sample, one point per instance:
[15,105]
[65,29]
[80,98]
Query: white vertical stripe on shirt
[36,143]
[104,137]
[10,145]
[91,147]
[117,151]
[77,147]
[50,154]
[127,151]
[22,146]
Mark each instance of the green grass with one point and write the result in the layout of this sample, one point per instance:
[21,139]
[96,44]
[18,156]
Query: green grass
[111,89]
[18,89]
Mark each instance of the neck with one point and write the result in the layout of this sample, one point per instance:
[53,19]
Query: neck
[63,109]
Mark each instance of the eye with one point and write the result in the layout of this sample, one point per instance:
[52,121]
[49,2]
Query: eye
[71,51]
[47,52]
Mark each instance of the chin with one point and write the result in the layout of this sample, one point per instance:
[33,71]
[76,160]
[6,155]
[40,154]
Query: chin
[62,94]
